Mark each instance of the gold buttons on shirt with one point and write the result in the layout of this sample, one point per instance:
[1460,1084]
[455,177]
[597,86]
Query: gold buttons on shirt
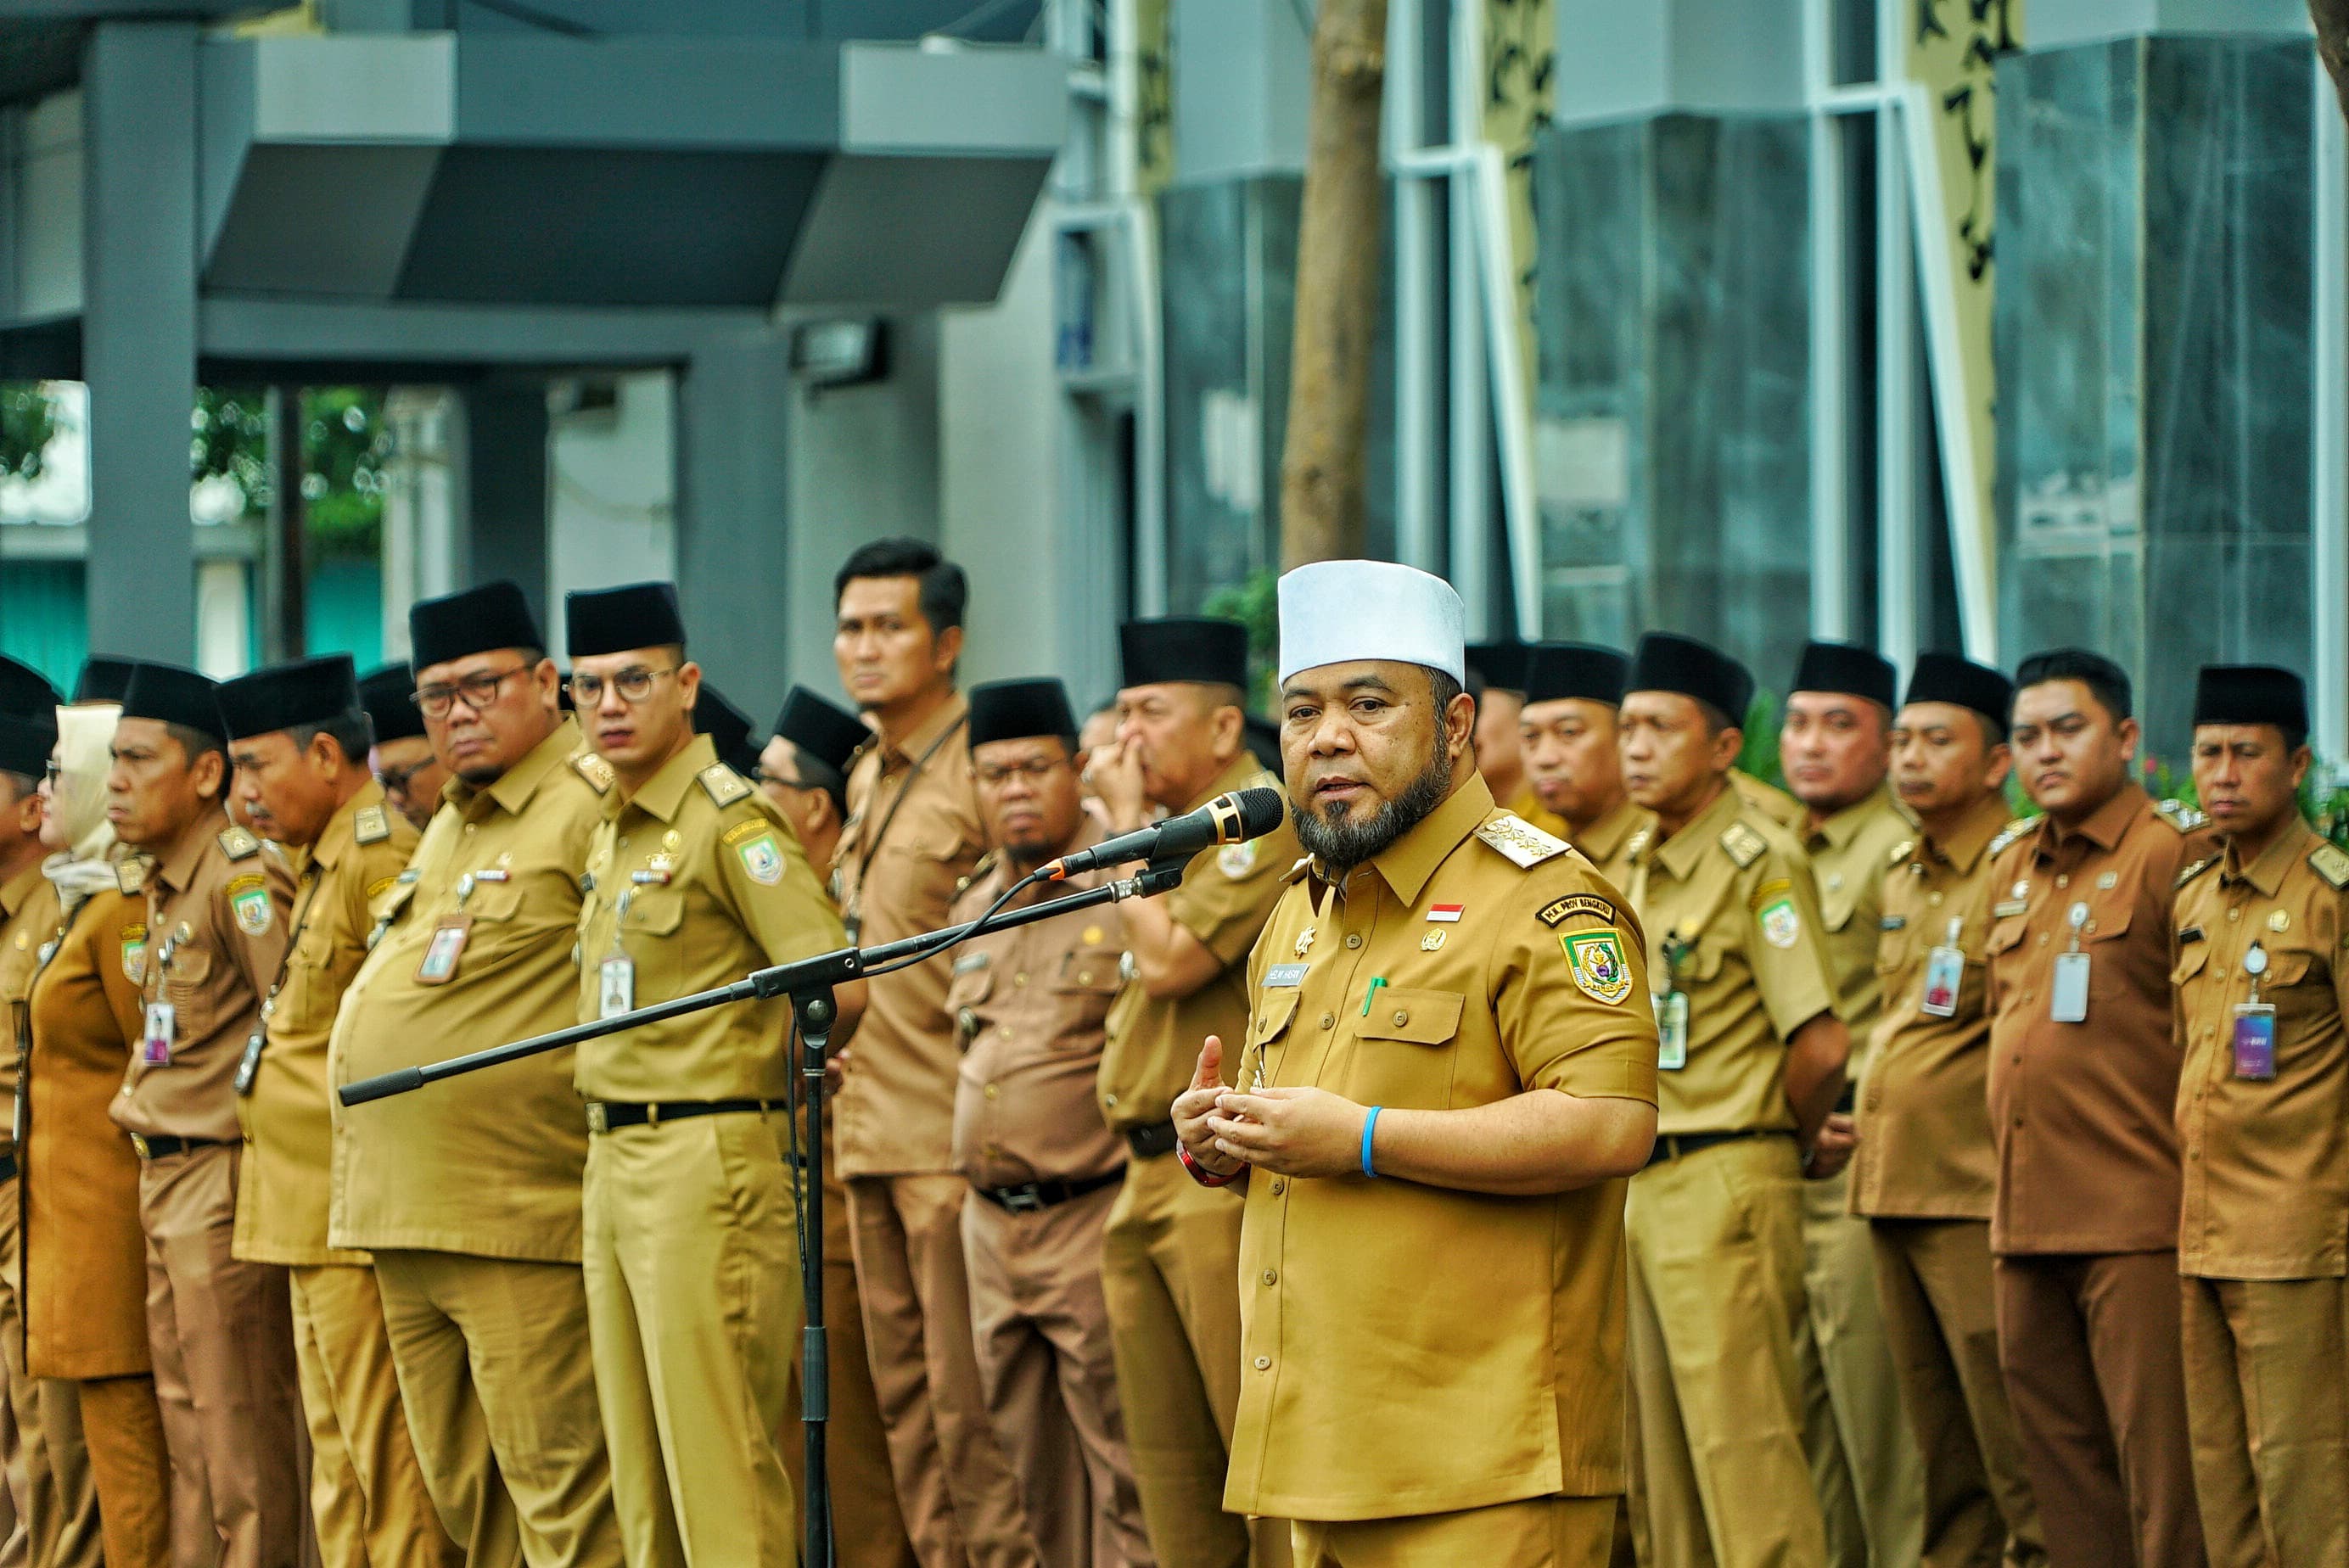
[1269,1277]
[1020,979]
[1403,1018]
[2064,881]
[1280,1185]
[1354,939]
[992,1092]
[1264,1363]
[1329,1020]
[1084,976]
[2234,914]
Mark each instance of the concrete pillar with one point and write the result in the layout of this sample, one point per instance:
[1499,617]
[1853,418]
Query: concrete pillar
[503,526]
[138,335]
[734,519]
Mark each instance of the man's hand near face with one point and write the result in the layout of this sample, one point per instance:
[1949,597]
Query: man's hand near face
[1115,769]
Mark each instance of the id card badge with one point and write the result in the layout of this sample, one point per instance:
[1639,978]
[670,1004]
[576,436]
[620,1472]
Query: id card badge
[1945,968]
[2255,1040]
[155,1046]
[438,966]
[618,989]
[1672,1031]
[2067,1002]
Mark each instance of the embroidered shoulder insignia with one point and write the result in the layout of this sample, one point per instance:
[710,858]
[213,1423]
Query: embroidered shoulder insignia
[2207,862]
[2327,861]
[986,864]
[1744,844]
[1903,849]
[595,770]
[748,828]
[239,843]
[1559,911]
[722,784]
[379,887]
[130,876]
[371,825]
[1518,841]
[2010,832]
[2179,815]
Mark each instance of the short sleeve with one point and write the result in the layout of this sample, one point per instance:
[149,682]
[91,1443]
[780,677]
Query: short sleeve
[1787,945]
[1571,1000]
[774,892]
[1226,896]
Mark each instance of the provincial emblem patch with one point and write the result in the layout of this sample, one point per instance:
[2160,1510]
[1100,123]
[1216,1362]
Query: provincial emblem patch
[1780,924]
[1235,861]
[761,859]
[1596,961]
[249,897]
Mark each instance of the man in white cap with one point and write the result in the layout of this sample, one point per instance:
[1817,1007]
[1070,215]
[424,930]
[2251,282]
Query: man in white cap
[1448,1075]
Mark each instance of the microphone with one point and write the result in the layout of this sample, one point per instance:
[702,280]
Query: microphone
[1225,819]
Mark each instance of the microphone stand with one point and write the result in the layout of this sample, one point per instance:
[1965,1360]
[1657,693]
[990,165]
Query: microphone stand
[809,984]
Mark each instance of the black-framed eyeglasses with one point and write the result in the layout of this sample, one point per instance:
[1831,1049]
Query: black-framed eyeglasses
[633,684]
[55,771]
[763,777]
[396,780]
[479,689]
[1036,770]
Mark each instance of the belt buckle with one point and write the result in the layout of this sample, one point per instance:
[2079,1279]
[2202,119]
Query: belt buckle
[596,1121]
[138,1142]
[1026,1198]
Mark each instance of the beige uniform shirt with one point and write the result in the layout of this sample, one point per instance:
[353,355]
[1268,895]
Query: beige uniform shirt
[1226,893]
[488,1164]
[1606,843]
[1766,798]
[2267,1160]
[894,1117]
[1850,851]
[217,937]
[1732,924]
[29,918]
[1924,1122]
[695,882]
[281,1202]
[1409,1349]
[1031,1004]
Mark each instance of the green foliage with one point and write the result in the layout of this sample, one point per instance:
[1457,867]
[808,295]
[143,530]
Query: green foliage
[1255,603]
[28,420]
[1759,756]
[344,444]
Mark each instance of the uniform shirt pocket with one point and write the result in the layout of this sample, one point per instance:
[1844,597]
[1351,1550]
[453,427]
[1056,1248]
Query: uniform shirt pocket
[185,977]
[1402,1054]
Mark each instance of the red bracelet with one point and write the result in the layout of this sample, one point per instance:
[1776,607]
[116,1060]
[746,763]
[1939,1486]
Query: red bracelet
[1201,1175]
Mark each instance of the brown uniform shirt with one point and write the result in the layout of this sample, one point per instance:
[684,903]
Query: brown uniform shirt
[29,917]
[218,937]
[2267,1161]
[1226,893]
[694,880]
[488,1164]
[281,1202]
[1732,924]
[1924,1118]
[2083,1113]
[1030,1004]
[1850,853]
[1527,806]
[894,1117]
[1606,843]
[1766,798]
[1409,1349]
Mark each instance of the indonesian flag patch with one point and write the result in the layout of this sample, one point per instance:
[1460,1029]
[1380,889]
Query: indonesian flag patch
[1445,913]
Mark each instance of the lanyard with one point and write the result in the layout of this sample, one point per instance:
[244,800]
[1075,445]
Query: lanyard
[854,913]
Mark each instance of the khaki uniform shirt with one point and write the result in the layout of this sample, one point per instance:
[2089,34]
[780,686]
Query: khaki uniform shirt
[1154,1044]
[1767,799]
[1030,1004]
[281,1202]
[488,1164]
[2267,1161]
[1528,806]
[217,938]
[1850,851]
[694,880]
[894,1117]
[2083,1114]
[1607,842]
[1732,924]
[1924,1118]
[1409,1349]
[29,918]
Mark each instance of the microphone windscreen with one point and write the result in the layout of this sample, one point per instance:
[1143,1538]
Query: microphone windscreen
[1260,812]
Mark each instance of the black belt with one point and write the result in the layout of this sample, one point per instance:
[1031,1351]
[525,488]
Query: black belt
[1030,1196]
[1673,1145]
[610,1116]
[1152,1141]
[164,1147]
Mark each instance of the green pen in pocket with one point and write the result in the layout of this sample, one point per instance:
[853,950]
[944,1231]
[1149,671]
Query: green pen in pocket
[1371,994]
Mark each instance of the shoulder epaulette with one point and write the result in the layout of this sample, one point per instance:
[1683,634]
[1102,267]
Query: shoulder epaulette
[986,863]
[1903,849]
[239,843]
[2010,832]
[1518,841]
[2327,861]
[2207,862]
[2179,815]
[371,825]
[1743,843]
[595,770]
[1637,844]
[722,784]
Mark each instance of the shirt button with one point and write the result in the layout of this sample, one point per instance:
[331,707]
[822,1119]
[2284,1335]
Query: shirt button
[2064,881]
[1109,1100]
[1932,898]
[1084,976]
[2234,914]
[1354,938]
[1264,1363]
[1269,1277]
[1329,1020]
[2042,939]
[992,1092]
[1402,1018]
[1005,1031]
[1280,1184]
[470,827]
[1020,979]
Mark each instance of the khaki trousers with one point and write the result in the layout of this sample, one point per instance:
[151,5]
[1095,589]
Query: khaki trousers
[221,1337]
[366,1491]
[1716,1289]
[500,1391]
[1540,1532]
[1934,1276]
[960,1500]
[1045,1368]
[2265,1368]
[1857,1438]
[694,1314]
[53,1507]
[2089,1348]
[867,1531]
[1170,1275]
[129,1469]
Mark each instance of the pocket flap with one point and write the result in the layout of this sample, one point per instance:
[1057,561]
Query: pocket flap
[656,911]
[1416,1017]
[2190,960]
[1276,1009]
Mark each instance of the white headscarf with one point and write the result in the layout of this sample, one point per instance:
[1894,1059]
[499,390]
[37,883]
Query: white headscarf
[85,738]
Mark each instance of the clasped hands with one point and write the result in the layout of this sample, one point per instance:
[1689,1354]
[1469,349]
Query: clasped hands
[1285,1131]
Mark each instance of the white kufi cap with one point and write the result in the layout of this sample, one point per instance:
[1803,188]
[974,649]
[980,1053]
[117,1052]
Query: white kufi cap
[1335,611]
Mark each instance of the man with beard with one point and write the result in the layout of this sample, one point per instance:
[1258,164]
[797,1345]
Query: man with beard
[1567,728]
[1447,1077]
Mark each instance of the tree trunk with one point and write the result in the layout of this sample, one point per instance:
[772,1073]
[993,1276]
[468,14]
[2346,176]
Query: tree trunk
[1337,288]
[2332,18]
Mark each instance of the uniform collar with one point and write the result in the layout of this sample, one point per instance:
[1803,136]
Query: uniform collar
[1238,773]
[18,889]
[1973,835]
[514,786]
[2266,874]
[1682,851]
[1000,874]
[664,793]
[2105,825]
[342,830]
[1606,835]
[1408,864]
[1840,828]
[178,867]
[913,746]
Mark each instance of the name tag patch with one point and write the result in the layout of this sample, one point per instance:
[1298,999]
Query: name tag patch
[1285,974]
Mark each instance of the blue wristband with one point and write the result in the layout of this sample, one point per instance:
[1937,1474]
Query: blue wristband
[1369,1124]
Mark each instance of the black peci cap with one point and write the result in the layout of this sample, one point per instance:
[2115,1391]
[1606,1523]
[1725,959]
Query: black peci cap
[1556,671]
[25,741]
[26,690]
[389,695]
[728,729]
[1199,648]
[614,620]
[175,695]
[1853,671]
[1666,662]
[827,733]
[1502,665]
[455,625]
[103,679]
[308,691]
[1946,677]
[2250,693]
[1015,710]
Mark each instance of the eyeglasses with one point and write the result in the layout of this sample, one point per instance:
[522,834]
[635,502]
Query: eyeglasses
[1035,772]
[396,780]
[479,689]
[763,777]
[633,684]
[55,770]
